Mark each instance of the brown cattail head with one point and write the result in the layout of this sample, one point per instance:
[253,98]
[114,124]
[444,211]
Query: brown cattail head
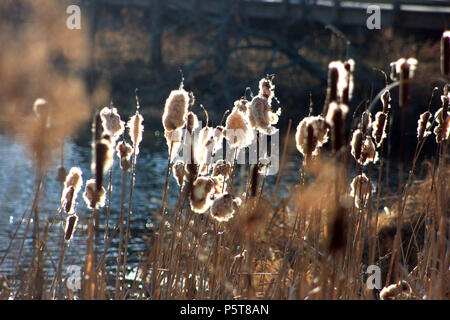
[201,195]
[442,128]
[338,231]
[72,186]
[398,291]
[336,120]
[361,189]
[175,109]
[386,101]
[94,198]
[366,122]
[124,151]
[111,122]
[424,125]
[223,207]
[445,53]
[369,152]
[61,174]
[97,127]
[135,130]
[356,144]
[311,134]
[103,159]
[379,128]
[404,70]
[69,228]
[347,92]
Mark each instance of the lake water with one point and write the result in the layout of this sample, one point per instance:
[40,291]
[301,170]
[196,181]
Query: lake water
[17,187]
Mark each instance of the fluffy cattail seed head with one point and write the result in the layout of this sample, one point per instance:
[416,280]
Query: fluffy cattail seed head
[72,186]
[398,291]
[201,195]
[239,134]
[379,128]
[192,122]
[361,189]
[347,93]
[261,116]
[424,125]
[386,101]
[357,144]
[311,134]
[266,89]
[222,208]
[124,151]
[103,159]
[442,128]
[222,168]
[94,198]
[135,130]
[178,172]
[111,122]
[175,109]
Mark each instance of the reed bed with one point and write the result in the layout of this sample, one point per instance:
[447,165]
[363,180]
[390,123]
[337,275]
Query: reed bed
[232,236]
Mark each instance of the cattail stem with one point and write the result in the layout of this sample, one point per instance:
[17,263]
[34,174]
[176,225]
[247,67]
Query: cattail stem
[118,289]
[133,165]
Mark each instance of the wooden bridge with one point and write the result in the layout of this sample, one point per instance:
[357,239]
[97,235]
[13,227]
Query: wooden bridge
[412,14]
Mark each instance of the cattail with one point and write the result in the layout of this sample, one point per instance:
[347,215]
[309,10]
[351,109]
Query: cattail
[445,53]
[336,120]
[71,224]
[357,144]
[442,128]
[266,89]
[94,198]
[369,152]
[202,191]
[398,291]
[366,122]
[111,122]
[386,101]
[361,190]
[97,127]
[347,92]
[424,125]
[404,70]
[136,129]
[175,110]
[379,128]
[124,151]
[191,122]
[103,159]
[238,132]
[61,174]
[311,134]
[72,186]
[222,168]
[242,104]
[338,231]
[337,81]
[261,116]
[178,172]
[222,208]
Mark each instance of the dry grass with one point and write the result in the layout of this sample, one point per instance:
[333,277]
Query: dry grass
[312,243]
